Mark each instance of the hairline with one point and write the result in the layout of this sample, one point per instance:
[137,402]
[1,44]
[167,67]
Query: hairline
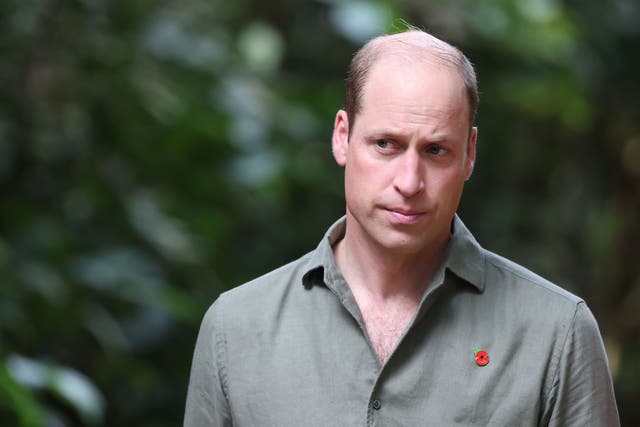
[416,45]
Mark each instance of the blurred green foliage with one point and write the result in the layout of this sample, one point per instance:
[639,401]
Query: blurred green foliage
[154,154]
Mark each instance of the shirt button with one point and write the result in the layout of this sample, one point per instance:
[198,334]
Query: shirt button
[376,404]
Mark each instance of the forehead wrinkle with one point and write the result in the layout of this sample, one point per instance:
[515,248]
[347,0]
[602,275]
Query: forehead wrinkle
[421,114]
[430,122]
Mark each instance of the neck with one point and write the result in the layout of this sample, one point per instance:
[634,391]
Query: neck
[386,273]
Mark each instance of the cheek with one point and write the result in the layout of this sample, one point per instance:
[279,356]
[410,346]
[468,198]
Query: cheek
[362,172]
[447,186]
[355,182]
[352,184]
[364,184]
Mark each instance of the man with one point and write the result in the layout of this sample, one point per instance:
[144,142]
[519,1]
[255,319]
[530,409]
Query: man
[399,317]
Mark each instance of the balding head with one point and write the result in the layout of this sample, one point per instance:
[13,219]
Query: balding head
[412,45]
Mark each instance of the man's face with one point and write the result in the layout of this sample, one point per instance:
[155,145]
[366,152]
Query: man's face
[408,155]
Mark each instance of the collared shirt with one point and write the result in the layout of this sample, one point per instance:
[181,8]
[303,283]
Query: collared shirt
[290,349]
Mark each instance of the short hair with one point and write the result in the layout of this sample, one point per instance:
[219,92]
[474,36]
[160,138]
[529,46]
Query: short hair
[432,47]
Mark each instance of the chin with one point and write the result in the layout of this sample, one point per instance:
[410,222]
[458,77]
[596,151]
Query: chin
[414,239]
[402,243]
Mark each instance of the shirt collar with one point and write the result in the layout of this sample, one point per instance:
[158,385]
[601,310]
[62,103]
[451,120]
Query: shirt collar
[464,258]
[322,265]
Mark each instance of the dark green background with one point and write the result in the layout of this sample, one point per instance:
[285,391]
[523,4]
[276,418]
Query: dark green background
[155,153]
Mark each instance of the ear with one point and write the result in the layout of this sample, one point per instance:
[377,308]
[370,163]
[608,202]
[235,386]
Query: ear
[340,138]
[471,153]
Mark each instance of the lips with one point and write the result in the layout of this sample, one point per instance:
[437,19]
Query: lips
[404,216]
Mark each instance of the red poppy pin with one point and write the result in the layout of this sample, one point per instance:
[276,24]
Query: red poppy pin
[482,357]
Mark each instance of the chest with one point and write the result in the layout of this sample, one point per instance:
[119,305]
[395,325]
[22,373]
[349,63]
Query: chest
[323,364]
[385,326]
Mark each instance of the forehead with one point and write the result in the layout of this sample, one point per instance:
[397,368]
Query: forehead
[420,85]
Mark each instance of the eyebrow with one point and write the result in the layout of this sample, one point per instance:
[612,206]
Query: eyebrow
[383,134]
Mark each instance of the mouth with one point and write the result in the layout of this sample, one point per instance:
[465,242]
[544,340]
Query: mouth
[403,216]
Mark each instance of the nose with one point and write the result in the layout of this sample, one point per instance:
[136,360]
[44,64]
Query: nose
[410,175]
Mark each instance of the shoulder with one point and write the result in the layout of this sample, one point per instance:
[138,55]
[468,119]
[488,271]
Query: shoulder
[256,301]
[506,275]
[269,284]
[500,278]
[528,301]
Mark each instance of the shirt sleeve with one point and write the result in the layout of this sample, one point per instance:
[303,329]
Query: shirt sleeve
[207,403]
[582,391]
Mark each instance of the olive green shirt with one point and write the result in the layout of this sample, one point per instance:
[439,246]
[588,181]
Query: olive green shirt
[290,349]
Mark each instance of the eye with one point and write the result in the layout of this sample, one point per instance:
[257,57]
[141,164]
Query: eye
[382,143]
[434,149]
